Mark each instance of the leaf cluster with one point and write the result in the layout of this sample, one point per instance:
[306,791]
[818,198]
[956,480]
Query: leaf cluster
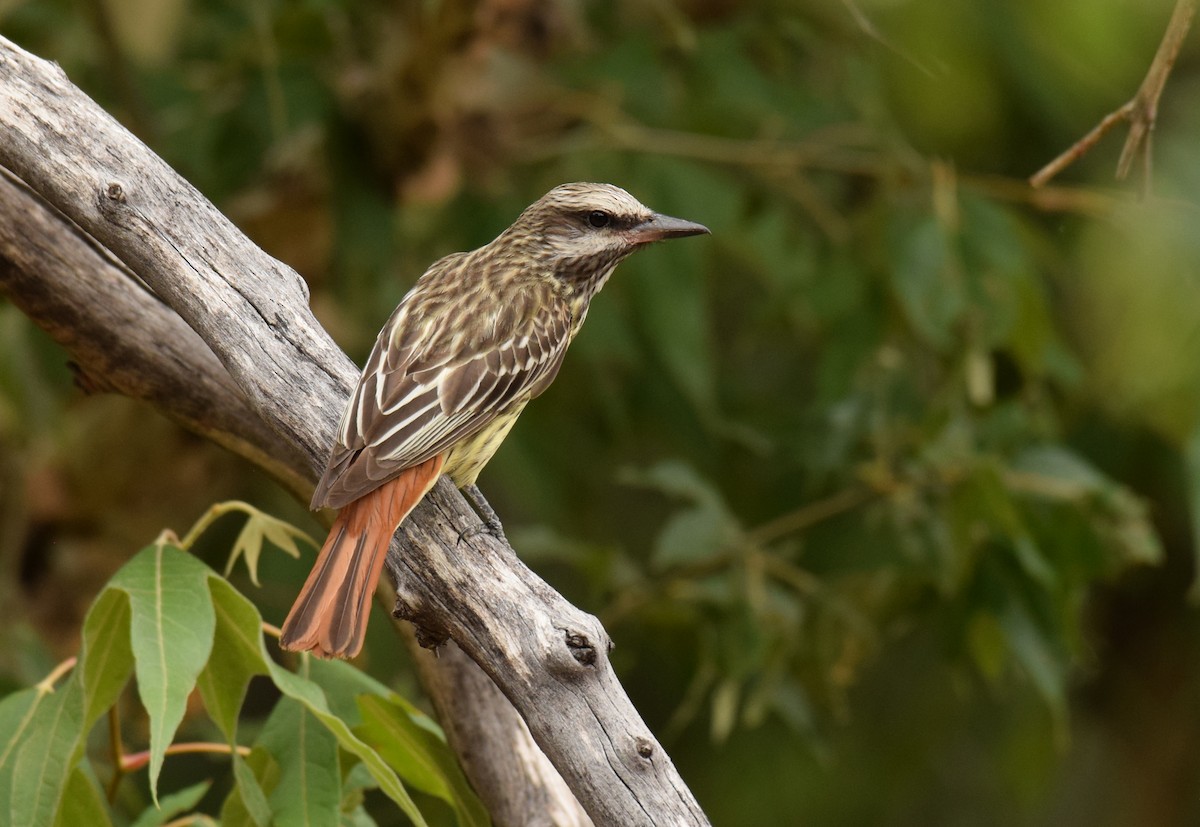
[176,626]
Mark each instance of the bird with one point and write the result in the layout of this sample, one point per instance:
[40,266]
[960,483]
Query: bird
[479,335]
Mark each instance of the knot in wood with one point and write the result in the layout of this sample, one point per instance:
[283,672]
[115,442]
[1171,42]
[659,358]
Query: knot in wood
[429,638]
[645,747]
[581,648]
[115,193]
[427,628]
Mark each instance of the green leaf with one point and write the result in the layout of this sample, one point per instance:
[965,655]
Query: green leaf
[244,624]
[924,279]
[236,657]
[105,657]
[357,817]
[691,534]
[354,786]
[1118,515]
[417,716]
[253,796]
[342,684]
[172,805]
[313,698]
[1036,653]
[309,790]
[82,802]
[246,805]
[1064,474]
[261,526]
[16,716]
[172,629]
[984,500]
[674,478]
[419,756]
[40,731]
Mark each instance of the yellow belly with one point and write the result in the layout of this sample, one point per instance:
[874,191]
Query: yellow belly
[467,458]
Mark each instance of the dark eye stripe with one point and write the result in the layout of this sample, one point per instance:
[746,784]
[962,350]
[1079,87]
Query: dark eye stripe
[593,219]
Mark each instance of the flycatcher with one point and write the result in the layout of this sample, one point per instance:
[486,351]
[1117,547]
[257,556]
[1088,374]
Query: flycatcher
[477,337]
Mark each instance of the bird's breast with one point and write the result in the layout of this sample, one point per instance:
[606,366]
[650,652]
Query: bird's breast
[467,458]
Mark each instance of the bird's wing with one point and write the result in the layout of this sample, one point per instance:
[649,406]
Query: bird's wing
[441,370]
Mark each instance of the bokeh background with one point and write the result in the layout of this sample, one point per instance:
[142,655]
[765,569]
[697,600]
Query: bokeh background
[887,491]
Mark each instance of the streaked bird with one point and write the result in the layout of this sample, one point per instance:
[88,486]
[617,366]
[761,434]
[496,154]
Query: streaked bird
[477,337]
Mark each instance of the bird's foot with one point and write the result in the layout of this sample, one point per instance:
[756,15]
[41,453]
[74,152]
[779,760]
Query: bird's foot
[491,520]
[494,529]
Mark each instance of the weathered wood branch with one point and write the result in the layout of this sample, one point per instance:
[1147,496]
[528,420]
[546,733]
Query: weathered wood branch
[547,657]
[121,337]
[520,786]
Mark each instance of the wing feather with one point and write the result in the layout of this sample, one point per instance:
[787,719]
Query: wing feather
[437,374]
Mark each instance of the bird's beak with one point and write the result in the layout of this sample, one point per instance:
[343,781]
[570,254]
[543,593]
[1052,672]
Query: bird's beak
[658,227]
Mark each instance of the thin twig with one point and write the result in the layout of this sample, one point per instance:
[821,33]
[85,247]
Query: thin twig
[134,761]
[1141,112]
[1051,198]
[46,684]
[214,513]
[1081,147]
[810,514]
[1146,100]
[126,763]
[844,147]
[190,820]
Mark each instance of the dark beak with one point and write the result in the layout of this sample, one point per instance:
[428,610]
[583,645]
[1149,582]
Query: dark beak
[658,227]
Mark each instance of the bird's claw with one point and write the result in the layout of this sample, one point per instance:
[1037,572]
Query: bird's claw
[491,527]
[491,521]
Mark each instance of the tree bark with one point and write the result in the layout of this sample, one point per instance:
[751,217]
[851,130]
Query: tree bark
[224,341]
[122,339]
[475,714]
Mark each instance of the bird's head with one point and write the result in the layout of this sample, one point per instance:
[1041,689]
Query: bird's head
[581,231]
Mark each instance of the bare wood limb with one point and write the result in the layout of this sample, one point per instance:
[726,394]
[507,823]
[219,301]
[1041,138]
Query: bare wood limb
[548,658]
[121,337]
[1140,112]
[1081,147]
[474,712]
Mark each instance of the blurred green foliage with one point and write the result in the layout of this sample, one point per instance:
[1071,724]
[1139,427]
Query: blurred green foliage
[889,487]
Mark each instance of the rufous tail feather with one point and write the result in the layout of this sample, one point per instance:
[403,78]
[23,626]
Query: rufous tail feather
[329,618]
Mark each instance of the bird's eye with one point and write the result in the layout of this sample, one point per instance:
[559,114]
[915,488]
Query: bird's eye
[598,219]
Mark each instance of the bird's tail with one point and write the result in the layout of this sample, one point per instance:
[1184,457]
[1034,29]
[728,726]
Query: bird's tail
[330,615]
